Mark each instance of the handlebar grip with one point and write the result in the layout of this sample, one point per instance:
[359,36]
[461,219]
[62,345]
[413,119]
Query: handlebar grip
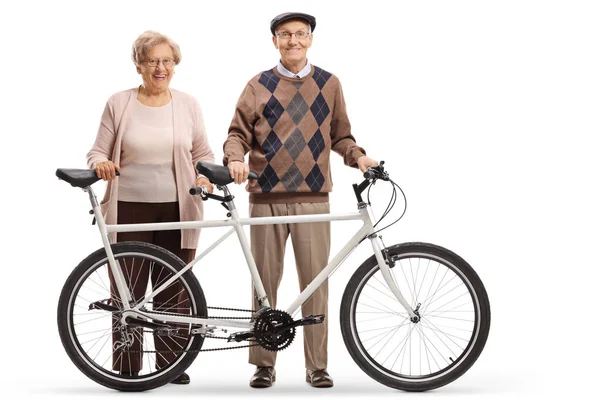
[198,190]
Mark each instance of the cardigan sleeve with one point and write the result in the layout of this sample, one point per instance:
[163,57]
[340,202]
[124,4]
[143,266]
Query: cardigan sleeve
[201,150]
[105,139]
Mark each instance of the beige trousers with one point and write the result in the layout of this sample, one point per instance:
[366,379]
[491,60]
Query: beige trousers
[311,242]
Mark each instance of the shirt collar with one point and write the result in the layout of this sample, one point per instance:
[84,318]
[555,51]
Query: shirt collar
[285,72]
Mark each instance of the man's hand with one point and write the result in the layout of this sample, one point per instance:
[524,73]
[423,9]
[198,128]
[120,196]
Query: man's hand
[106,170]
[365,162]
[203,181]
[238,171]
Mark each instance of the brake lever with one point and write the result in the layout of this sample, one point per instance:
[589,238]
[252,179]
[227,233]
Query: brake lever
[203,193]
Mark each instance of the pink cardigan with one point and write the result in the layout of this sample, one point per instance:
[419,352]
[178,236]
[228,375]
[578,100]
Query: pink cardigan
[190,145]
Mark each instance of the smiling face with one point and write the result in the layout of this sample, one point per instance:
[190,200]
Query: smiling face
[156,79]
[293,50]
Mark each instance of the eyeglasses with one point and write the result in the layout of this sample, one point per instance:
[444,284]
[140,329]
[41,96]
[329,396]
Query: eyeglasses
[167,62]
[300,35]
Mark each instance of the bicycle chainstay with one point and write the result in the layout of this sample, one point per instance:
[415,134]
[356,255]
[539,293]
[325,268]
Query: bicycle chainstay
[206,337]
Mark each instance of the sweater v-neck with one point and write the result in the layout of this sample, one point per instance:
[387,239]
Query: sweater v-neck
[286,78]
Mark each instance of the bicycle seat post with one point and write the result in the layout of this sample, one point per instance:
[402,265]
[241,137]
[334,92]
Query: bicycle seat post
[230,203]
[92,196]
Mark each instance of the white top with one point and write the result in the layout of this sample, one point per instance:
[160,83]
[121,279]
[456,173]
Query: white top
[147,170]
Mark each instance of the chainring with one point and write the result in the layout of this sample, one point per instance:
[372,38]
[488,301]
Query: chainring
[265,325]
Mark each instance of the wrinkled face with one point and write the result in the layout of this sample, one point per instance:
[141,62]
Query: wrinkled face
[293,50]
[157,78]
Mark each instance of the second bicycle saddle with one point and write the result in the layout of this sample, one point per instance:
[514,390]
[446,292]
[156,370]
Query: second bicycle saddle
[217,173]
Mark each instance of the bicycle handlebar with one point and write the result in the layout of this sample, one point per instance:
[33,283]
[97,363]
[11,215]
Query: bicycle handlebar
[378,172]
[201,190]
[371,175]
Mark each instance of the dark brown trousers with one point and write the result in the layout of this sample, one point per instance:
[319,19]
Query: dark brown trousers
[137,274]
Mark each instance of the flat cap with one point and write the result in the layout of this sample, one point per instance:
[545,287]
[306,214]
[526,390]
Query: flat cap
[293,15]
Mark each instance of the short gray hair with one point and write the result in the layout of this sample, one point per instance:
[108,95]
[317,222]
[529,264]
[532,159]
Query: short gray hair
[149,39]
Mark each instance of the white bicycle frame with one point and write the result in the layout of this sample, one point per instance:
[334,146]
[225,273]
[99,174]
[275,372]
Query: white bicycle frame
[236,223]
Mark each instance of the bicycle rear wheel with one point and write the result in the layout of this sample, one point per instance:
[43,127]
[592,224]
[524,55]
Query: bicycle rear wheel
[454,320]
[124,357]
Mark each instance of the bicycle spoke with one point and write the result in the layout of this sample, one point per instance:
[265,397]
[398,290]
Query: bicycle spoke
[377,329]
[423,280]
[448,335]
[380,303]
[430,300]
[379,309]
[384,334]
[427,350]
[456,319]
[385,294]
[373,319]
[407,284]
[453,309]
[426,325]
[426,306]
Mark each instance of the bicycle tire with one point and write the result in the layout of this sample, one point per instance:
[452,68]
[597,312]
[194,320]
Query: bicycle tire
[403,378]
[74,346]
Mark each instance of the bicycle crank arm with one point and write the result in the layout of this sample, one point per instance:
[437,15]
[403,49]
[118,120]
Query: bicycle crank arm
[240,336]
[310,320]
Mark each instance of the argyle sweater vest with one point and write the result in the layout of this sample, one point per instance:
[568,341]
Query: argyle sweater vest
[290,126]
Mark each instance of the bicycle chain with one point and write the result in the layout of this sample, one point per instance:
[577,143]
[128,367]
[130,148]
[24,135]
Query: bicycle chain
[206,337]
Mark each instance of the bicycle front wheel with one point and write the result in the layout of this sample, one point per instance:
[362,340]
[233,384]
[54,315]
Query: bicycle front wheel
[454,320]
[117,355]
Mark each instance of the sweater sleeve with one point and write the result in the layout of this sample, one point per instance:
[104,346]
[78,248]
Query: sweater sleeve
[241,131]
[105,139]
[201,150]
[342,141]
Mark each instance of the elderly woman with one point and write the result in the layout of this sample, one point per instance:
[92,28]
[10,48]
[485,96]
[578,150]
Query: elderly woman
[154,136]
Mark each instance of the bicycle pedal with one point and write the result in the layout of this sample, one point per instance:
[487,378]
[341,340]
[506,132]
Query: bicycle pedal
[312,319]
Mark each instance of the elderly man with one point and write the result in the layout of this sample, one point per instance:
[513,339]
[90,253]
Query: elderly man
[289,118]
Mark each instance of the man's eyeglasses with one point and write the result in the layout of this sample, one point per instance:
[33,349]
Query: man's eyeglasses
[300,35]
[167,62]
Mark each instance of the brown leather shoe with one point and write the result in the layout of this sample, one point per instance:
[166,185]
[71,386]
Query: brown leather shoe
[183,379]
[320,378]
[263,377]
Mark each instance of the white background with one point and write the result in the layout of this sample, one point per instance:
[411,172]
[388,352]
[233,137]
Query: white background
[486,114]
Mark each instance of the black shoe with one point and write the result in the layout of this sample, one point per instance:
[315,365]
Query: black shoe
[182,379]
[319,378]
[263,377]
[129,374]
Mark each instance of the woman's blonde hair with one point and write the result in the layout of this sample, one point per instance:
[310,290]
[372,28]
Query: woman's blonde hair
[149,39]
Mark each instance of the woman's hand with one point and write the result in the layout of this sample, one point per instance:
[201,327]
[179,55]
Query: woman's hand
[203,181]
[106,170]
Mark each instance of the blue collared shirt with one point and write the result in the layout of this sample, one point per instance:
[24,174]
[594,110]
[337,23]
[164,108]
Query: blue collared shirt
[285,72]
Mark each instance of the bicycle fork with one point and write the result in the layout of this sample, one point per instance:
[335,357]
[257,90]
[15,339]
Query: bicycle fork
[384,267]
[386,264]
